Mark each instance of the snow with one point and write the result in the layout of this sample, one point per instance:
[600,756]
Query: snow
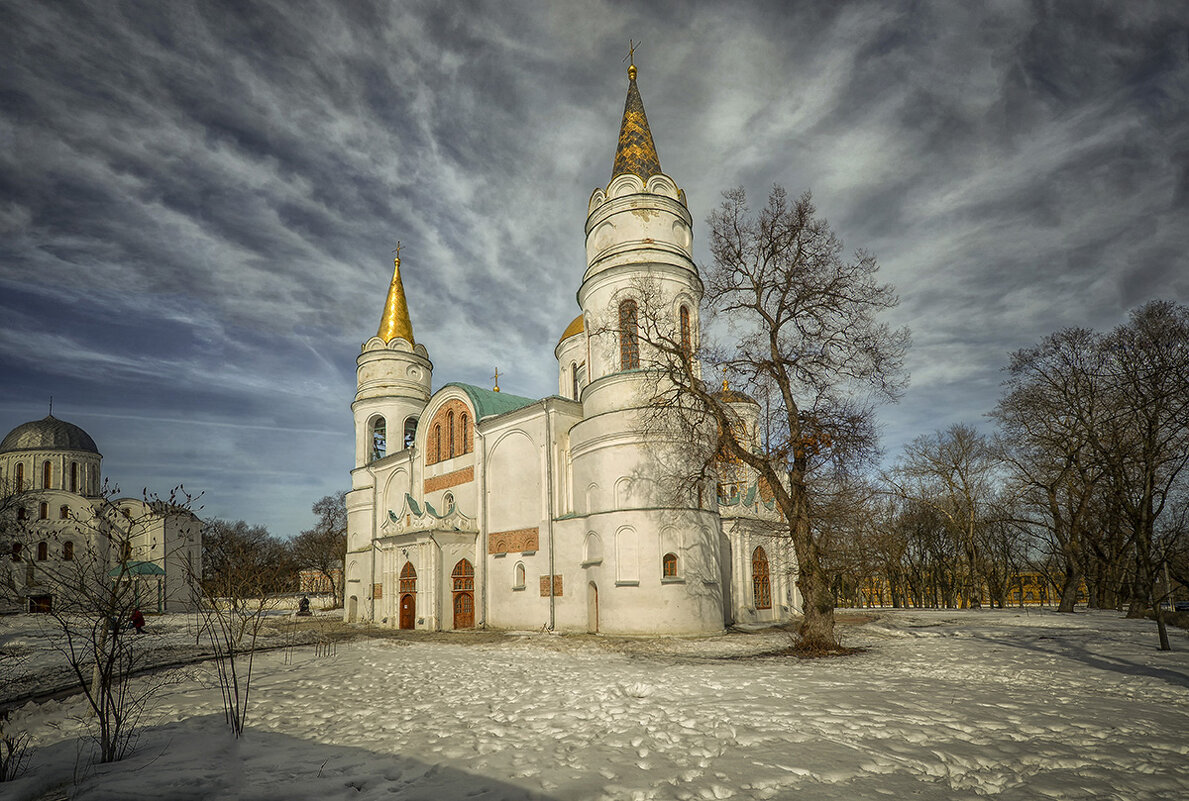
[940,705]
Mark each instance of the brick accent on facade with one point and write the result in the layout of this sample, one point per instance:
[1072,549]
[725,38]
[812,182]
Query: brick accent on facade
[437,436]
[447,480]
[521,539]
[556,586]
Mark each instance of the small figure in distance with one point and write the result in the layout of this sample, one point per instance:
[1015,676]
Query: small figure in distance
[138,620]
[303,607]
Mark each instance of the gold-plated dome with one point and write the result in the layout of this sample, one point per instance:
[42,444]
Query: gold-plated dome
[636,152]
[395,322]
[576,326]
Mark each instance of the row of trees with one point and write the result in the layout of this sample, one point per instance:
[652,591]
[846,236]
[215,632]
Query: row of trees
[1083,481]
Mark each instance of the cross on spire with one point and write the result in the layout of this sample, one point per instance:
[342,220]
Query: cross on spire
[497,379]
[397,250]
[631,56]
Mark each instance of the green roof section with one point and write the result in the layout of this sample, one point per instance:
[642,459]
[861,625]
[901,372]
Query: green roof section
[489,403]
[136,569]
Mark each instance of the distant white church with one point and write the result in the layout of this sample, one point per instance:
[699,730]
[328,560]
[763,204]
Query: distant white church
[472,507]
[59,528]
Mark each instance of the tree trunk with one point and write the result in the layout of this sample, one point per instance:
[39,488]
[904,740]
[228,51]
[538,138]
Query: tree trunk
[1069,590]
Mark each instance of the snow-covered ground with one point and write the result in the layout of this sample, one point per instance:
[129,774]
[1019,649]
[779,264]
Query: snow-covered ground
[941,705]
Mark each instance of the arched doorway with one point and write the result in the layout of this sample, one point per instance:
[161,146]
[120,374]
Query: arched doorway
[592,608]
[464,595]
[408,596]
[353,609]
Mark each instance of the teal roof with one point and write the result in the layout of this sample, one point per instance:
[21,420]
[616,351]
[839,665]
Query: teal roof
[137,569]
[489,403]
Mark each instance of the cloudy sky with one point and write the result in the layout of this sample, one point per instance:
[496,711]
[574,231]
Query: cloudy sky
[198,201]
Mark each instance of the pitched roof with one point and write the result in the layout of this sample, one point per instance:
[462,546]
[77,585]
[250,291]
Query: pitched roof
[489,403]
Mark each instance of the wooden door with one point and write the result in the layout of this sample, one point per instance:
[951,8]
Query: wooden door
[408,611]
[464,610]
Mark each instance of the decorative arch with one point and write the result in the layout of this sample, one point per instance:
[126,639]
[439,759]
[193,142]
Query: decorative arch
[623,492]
[410,431]
[627,556]
[47,474]
[450,434]
[761,586]
[592,496]
[518,580]
[592,549]
[629,335]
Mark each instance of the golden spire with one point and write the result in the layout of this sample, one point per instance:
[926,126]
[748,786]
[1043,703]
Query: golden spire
[636,153]
[395,322]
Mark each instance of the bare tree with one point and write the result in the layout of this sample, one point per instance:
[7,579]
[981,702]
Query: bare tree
[323,547]
[953,472]
[245,568]
[801,335]
[1143,439]
[1047,416]
[88,568]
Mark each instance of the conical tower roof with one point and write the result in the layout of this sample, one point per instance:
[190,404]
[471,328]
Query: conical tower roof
[396,322]
[636,152]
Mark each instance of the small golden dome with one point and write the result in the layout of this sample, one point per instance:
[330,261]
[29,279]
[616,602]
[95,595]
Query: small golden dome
[576,326]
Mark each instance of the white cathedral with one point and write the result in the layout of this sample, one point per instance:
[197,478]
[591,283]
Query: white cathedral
[472,507]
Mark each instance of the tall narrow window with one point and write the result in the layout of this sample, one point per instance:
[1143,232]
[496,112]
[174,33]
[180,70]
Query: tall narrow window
[43,551]
[47,474]
[68,551]
[410,431]
[20,476]
[686,337]
[629,336]
[408,578]
[44,511]
[74,476]
[437,443]
[574,380]
[761,587]
[63,512]
[379,439]
[450,433]
[463,576]
[16,551]
[464,434]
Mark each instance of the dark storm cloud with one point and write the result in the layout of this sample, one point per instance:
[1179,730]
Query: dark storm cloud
[197,201]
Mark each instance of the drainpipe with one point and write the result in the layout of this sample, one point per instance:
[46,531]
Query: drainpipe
[481,516]
[549,509]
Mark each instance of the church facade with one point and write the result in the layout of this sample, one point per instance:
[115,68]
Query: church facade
[472,507]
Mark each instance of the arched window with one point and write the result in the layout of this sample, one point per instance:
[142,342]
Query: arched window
[629,336]
[437,443]
[450,433]
[74,476]
[20,476]
[47,474]
[379,438]
[408,578]
[669,565]
[464,434]
[63,512]
[94,470]
[68,551]
[447,501]
[761,587]
[518,576]
[44,511]
[686,336]
[22,513]
[574,380]
[43,551]
[464,576]
[410,431]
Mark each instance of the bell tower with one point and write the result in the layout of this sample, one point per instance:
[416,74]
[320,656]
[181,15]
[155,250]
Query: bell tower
[639,256]
[392,381]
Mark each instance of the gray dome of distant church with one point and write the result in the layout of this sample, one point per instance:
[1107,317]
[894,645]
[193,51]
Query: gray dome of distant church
[49,433]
